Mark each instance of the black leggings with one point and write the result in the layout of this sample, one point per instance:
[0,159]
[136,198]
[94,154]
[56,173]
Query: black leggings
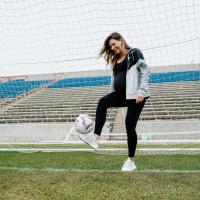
[116,99]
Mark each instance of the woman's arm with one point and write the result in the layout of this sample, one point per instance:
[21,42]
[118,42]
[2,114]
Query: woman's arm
[143,73]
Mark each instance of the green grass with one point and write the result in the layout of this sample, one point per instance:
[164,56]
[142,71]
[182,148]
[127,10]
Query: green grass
[91,176]
[98,186]
[90,161]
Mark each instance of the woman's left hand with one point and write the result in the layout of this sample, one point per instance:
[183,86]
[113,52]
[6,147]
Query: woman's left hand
[139,98]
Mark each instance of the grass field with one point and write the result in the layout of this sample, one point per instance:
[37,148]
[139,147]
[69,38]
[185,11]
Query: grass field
[88,175]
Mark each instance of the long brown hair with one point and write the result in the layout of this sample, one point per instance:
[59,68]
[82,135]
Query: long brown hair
[107,53]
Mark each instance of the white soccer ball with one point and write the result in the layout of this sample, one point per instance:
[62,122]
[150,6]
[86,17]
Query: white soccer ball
[84,124]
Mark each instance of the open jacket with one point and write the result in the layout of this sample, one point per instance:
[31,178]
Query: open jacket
[137,76]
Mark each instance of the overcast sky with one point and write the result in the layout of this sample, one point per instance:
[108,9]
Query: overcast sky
[50,36]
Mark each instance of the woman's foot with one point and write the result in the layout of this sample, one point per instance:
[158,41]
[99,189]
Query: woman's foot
[128,166]
[89,139]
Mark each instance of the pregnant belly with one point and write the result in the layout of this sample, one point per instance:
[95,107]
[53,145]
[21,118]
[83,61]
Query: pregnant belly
[120,82]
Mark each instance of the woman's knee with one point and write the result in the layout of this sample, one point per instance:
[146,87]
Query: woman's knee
[103,102]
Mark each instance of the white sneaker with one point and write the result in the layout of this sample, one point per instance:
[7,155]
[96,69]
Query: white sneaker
[128,166]
[90,140]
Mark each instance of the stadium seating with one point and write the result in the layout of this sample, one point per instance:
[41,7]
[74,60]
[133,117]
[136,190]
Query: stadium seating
[12,89]
[82,82]
[65,99]
[105,80]
[56,105]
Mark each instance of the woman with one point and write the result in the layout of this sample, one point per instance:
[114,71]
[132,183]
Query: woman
[129,88]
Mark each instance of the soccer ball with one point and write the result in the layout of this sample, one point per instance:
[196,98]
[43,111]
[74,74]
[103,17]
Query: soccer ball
[84,124]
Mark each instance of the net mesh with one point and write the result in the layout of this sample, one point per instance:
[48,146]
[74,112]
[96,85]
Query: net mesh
[51,48]
[58,36]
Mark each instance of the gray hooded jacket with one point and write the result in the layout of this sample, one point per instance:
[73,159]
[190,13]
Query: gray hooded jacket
[137,76]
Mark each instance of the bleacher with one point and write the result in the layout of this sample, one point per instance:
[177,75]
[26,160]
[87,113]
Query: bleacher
[175,76]
[56,105]
[82,82]
[68,97]
[14,88]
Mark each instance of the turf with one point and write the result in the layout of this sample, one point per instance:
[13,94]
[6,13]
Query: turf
[91,176]
[90,161]
[98,185]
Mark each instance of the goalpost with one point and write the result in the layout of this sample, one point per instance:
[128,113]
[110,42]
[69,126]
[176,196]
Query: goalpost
[59,41]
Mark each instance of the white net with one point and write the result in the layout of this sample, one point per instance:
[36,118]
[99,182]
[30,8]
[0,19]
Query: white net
[44,36]
[43,44]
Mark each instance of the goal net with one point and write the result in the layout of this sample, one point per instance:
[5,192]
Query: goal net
[50,71]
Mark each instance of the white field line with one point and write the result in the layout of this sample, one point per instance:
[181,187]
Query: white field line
[174,141]
[102,150]
[99,170]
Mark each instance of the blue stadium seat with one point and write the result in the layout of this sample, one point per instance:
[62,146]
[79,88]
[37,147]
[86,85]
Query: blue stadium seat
[12,89]
[105,80]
